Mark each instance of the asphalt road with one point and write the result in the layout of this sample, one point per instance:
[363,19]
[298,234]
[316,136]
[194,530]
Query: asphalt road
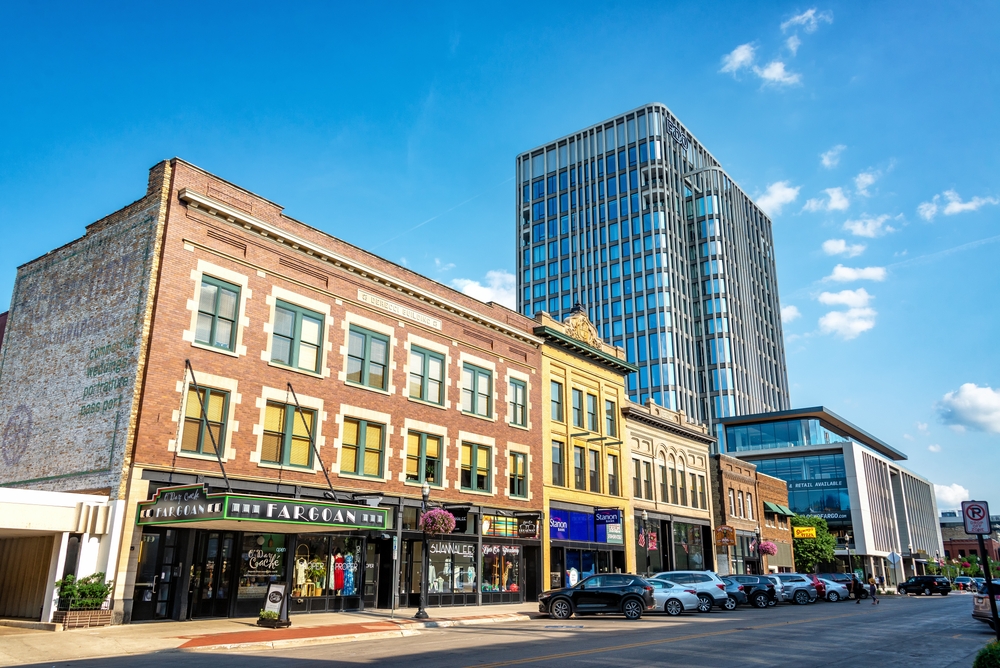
[916,631]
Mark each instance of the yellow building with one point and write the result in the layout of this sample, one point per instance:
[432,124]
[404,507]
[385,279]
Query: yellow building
[586,492]
[671,480]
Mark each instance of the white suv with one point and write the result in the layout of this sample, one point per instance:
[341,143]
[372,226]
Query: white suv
[710,587]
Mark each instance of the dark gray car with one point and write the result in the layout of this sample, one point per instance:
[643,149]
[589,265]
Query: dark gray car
[797,588]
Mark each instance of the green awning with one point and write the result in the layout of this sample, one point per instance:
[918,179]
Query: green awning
[773,508]
[785,510]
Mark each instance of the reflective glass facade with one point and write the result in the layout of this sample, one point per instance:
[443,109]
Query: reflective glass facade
[817,485]
[782,434]
[636,221]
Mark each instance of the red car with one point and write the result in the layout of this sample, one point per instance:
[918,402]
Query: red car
[820,587]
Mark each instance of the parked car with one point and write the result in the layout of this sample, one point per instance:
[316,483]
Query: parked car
[779,589]
[925,585]
[799,588]
[835,591]
[711,589]
[673,598]
[965,582]
[981,609]
[818,583]
[736,594]
[977,583]
[629,595]
[845,579]
[760,590]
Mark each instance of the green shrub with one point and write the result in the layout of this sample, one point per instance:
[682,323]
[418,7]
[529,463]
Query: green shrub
[87,593]
[268,614]
[988,657]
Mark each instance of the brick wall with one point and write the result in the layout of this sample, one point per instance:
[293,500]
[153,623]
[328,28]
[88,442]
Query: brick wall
[775,491]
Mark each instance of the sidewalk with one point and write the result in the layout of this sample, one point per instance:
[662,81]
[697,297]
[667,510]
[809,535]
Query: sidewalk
[21,646]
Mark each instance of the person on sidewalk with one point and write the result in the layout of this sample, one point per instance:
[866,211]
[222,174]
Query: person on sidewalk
[857,589]
[873,590]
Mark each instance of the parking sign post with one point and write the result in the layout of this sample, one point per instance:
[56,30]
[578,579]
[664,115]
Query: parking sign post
[976,515]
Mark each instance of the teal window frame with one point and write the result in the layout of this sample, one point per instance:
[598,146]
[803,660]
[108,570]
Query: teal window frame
[422,460]
[287,435]
[367,337]
[362,450]
[473,392]
[518,403]
[296,343]
[204,422]
[214,314]
[518,474]
[473,485]
[424,375]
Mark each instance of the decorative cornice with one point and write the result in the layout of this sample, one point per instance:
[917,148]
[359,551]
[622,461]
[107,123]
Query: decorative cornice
[311,249]
[581,348]
[659,423]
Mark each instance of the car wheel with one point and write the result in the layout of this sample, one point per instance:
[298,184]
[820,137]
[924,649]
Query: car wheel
[927,591]
[632,609]
[730,603]
[673,607]
[705,603]
[833,597]
[772,603]
[760,601]
[560,609]
[801,597]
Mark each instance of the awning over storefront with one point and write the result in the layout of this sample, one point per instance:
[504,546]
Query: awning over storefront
[192,505]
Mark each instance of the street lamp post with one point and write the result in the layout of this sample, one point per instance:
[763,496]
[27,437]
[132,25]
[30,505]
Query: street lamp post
[645,528]
[425,562]
[850,559]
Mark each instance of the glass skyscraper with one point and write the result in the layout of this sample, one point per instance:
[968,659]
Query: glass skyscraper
[634,219]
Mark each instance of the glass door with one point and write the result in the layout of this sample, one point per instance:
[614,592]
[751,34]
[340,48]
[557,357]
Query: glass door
[213,573]
[154,582]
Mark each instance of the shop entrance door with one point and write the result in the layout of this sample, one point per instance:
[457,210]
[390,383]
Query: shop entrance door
[213,574]
[154,579]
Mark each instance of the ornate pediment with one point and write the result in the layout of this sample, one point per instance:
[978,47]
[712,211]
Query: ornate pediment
[578,326]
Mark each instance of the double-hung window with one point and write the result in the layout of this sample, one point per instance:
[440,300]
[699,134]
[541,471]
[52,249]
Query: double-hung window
[663,484]
[647,481]
[694,490]
[218,306]
[518,403]
[287,435]
[701,492]
[361,453]
[558,464]
[298,337]
[594,470]
[200,426]
[368,359]
[591,413]
[476,467]
[477,390]
[578,408]
[557,401]
[518,475]
[610,419]
[423,458]
[579,468]
[613,475]
[637,478]
[426,376]
[673,486]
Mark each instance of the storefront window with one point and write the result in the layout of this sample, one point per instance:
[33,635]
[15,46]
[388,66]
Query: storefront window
[311,571]
[262,562]
[452,568]
[689,551]
[501,568]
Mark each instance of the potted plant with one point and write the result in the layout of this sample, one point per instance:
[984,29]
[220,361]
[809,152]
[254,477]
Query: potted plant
[270,619]
[437,521]
[82,602]
[768,548]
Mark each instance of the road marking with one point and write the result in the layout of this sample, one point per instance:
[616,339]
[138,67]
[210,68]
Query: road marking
[662,641]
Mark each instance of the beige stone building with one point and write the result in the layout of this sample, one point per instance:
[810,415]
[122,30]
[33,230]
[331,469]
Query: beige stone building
[671,489]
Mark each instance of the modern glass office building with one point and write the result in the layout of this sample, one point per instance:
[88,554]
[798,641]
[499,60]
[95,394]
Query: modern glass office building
[838,471]
[636,221]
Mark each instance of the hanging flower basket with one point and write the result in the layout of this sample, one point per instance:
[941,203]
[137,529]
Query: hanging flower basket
[437,521]
[769,548]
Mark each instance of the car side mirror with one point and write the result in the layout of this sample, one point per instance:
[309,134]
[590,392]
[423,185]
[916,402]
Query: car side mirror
[583,586]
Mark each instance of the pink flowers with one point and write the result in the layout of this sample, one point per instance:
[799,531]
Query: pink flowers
[437,521]
[767,547]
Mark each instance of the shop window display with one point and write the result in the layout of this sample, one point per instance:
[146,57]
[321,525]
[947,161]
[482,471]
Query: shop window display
[262,561]
[326,566]
[501,568]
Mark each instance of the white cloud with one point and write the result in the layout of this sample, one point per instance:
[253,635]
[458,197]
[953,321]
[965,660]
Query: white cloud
[907,437]
[836,201]
[809,20]
[866,180]
[789,313]
[774,73]
[777,195]
[934,447]
[841,247]
[793,44]
[441,266]
[869,226]
[955,205]
[500,288]
[741,57]
[848,324]
[922,426]
[972,407]
[842,274]
[950,496]
[851,298]
[831,158]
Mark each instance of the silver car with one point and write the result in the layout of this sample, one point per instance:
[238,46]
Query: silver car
[835,591]
[779,589]
[672,598]
[798,588]
[710,587]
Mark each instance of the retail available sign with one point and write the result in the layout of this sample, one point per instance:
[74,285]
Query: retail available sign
[832,483]
[193,503]
[725,535]
[804,532]
[976,515]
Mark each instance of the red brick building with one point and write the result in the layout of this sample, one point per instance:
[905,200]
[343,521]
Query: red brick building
[300,390]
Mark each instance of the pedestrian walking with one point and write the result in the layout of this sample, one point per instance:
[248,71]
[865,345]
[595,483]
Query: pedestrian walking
[873,590]
[857,589]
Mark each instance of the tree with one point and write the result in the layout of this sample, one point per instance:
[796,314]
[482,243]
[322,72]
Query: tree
[809,552]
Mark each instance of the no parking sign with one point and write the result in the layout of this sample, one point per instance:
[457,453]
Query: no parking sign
[977,517]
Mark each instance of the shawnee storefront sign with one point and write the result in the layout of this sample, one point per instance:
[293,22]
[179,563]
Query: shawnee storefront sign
[193,503]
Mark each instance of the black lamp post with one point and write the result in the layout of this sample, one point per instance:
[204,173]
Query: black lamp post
[645,527]
[421,612]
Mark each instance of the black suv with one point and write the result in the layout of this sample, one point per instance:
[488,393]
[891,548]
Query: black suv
[627,594]
[759,590]
[926,585]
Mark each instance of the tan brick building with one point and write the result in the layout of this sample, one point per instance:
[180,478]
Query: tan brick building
[202,329]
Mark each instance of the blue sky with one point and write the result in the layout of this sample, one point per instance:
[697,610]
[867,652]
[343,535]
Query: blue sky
[867,129]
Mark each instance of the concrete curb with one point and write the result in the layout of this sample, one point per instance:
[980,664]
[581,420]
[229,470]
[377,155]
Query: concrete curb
[406,629]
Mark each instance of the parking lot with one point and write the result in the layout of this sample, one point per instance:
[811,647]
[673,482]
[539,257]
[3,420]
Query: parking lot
[901,631]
